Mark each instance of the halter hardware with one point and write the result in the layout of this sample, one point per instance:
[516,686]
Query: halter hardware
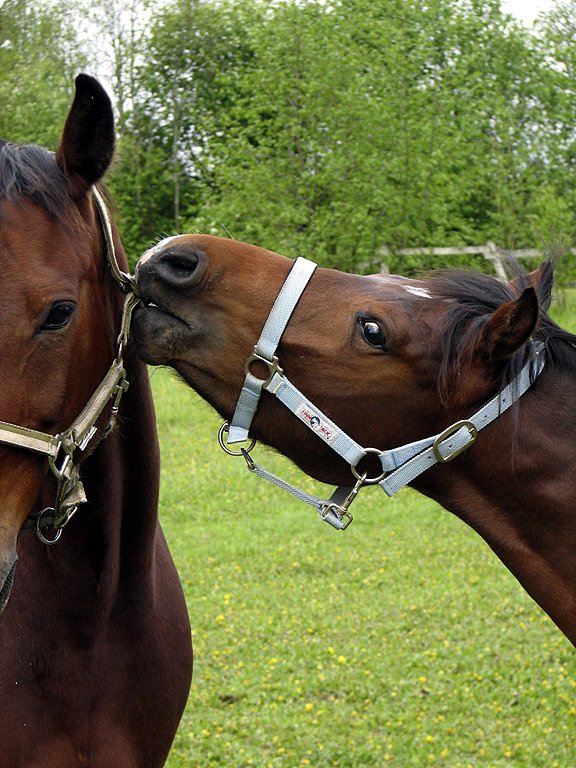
[224,430]
[444,458]
[60,449]
[272,365]
[41,522]
[400,465]
[332,512]
[368,480]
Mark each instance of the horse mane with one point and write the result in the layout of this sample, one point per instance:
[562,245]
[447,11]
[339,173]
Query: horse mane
[472,297]
[27,170]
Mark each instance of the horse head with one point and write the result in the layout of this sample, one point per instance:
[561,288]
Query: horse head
[370,351]
[54,337]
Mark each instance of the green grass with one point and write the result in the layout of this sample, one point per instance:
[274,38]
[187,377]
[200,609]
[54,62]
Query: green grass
[402,641]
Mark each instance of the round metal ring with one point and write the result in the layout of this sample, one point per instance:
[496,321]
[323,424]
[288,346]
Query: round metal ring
[368,480]
[224,429]
[43,539]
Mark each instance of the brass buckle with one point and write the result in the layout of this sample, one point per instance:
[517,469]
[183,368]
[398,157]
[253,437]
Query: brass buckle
[473,434]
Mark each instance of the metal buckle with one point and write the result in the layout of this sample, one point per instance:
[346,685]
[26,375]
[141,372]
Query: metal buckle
[472,432]
[59,472]
[272,365]
[83,444]
[64,517]
[341,511]
[120,388]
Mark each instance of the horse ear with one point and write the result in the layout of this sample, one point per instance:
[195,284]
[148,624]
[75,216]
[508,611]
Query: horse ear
[87,145]
[533,278]
[509,327]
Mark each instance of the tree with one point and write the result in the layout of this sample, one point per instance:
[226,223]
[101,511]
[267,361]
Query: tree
[39,57]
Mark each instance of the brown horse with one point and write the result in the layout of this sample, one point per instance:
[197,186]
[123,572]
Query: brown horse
[94,638]
[388,361]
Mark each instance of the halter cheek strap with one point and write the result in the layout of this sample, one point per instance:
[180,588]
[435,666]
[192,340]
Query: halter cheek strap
[265,348]
[400,466]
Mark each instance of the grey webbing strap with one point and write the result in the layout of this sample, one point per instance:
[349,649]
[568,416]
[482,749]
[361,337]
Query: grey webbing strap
[324,507]
[456,438]
[265,349]
[315,420]
[30,439]
[294,285]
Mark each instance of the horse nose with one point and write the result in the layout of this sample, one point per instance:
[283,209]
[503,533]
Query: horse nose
[174,264]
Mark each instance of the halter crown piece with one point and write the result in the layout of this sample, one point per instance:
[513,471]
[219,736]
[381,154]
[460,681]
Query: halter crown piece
[60,449]
[399,466]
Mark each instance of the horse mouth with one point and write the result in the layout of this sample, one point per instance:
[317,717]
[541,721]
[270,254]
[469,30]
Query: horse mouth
[162,313]
[159,335]
[7,587]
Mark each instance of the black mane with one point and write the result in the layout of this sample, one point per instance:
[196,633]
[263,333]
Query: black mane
[474,296]
[31,171]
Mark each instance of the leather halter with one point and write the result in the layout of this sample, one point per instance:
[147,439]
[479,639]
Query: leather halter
[60,449]
[400,465]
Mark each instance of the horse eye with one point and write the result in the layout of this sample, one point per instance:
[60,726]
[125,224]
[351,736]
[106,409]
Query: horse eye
[373,334]
[59,315]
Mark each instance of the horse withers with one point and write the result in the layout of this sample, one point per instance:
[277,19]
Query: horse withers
[94,636]
[460,386]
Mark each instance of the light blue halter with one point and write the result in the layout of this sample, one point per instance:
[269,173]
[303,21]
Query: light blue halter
[400,465]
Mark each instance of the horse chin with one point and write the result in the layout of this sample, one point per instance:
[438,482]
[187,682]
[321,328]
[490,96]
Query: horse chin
[7,586]
[159,336]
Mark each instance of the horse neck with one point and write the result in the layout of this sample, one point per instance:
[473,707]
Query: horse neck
[517,488]
[122,476]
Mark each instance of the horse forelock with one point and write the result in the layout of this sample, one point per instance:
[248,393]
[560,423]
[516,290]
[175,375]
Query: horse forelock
[471,298]
[28,170]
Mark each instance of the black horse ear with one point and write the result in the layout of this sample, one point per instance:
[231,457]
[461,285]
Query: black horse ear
[87,145]
[509,327]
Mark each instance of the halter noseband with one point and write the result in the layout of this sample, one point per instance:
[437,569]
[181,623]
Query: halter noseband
[60,448]
[400,465]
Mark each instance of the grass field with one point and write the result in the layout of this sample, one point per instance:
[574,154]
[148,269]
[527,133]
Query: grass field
[402,641]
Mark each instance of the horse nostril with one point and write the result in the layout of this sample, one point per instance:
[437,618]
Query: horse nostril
[178,268]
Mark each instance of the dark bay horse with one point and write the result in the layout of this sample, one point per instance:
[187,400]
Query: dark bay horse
[95,643]
[416,370]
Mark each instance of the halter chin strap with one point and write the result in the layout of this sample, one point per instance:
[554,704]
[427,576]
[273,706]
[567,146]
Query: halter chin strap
[60,449]
[399,466]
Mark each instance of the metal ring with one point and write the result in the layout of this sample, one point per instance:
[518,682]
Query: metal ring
[225,428]
[367,480]
[43,539]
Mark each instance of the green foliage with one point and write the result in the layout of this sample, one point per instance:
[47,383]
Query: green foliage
[38,59]
[321,128]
